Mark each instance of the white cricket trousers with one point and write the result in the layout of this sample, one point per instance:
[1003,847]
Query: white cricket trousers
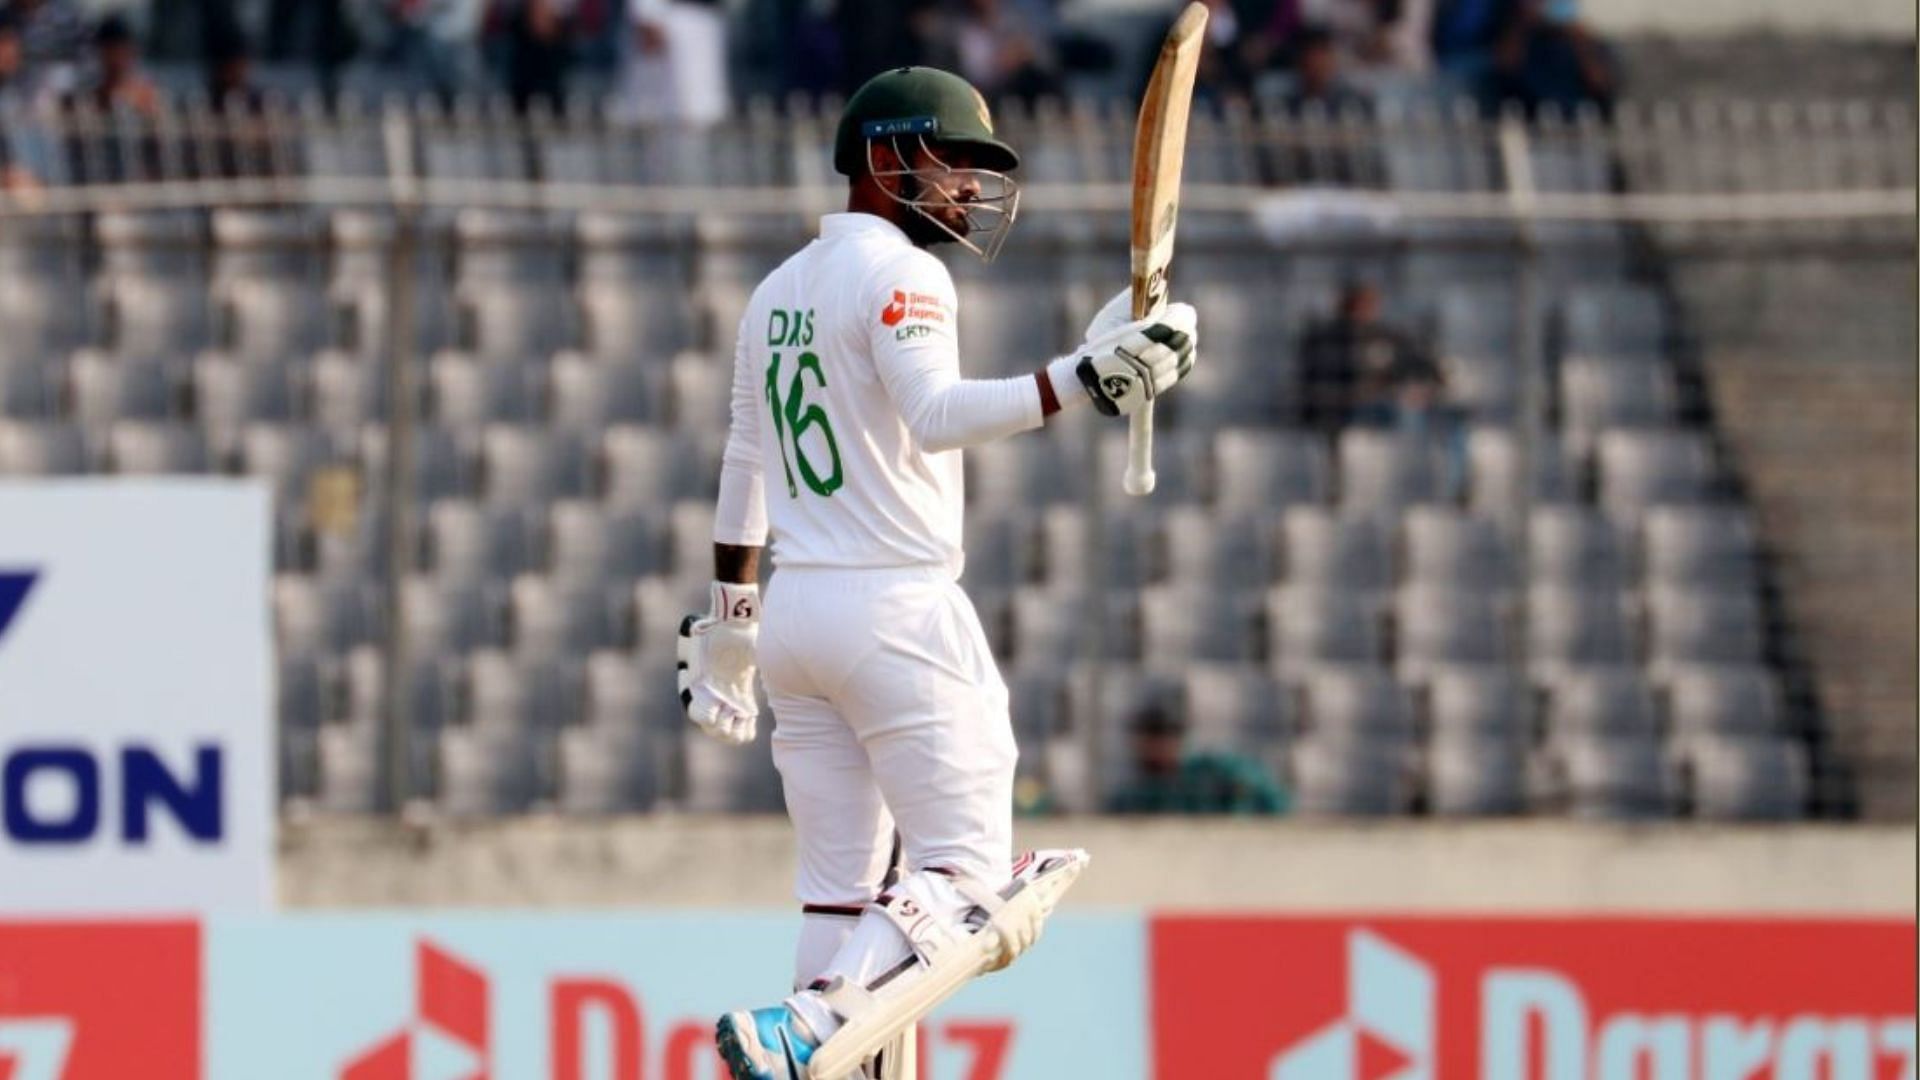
[888,713]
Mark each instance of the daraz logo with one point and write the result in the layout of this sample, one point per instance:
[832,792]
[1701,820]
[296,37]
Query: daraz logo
[447,1036]
[14,587]
[1387,1032]
[894,312]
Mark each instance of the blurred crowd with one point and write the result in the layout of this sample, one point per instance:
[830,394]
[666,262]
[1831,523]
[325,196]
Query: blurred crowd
[690,61]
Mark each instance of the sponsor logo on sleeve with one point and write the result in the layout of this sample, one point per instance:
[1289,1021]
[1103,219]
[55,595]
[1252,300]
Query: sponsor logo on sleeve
[913,307]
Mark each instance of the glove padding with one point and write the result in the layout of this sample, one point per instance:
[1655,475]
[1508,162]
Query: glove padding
[1127,368]
[716,653]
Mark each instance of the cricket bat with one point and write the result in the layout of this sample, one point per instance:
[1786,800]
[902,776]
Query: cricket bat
[1159,150]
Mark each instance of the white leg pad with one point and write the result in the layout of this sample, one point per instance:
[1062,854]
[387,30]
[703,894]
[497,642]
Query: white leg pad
[947,957]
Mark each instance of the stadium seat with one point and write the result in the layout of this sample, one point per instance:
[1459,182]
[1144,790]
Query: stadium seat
[1703,626]
[345,392]
[30,449]
[449,619]
[1338,777]
[1019,471]
[1475,774]
[699,392]
[735,779]
[466,393]
[509,248]
[513,321]
[267,317]
[1443,546]
[1436,625]
[1598,393]
[1000,550]
[639,467]
[1618,320]
[1603,776]
[690,539]
[147,448]
[1478,701]
[487,755]
[529,464]
[1700,546]
[229,393]
[1475,319]
[1609,702]
[659,603]
[312,619]
[1178,463]
[1495,484]
[1184,623]
[1007,325]
[102,388]
[1743,778]
[283,455]
[442,467]
[1381,472]
[585,394]
[44,315]
[468,543]
[1327,550]
[1725,700]
[1237,708]
[587,542]
[1355,703]
[1049,626]
[1198,547]
[1486,387]
[633,321]
[1572,545]
[1569,626]
[1641,468]
[547,619]
[154,316]
[1268,470]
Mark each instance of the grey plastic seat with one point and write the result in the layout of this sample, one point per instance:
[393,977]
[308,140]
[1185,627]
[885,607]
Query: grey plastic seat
[1613,319]
[313,618]
[698,391]
[659,603]
[32,449]
[528,464]
[622,320]
[639,467]
[153,316]
[469,543]
[1356,703]
[1002,321]
[1475,774]
[1064,547]
[1441,625]
[1268,470]
[1614,702]
[1444,546]
[101,388]
[548,619]
[1479,701]
[513,322]
[1037,695]
[1598,393]
[28,389]
[1568,626]
[148,448]
[1486,386]
[447,618]
[1703,626]
[732,779]
[487,763]
[442,465]
[1700,546]
[1021,471]
[1344,778]
[589,542]
[509,247]
[690,540]
[1381,472]
[1606,776]
[1724,700]
[347,756]
[1048,626]
[283,455]
[268,317]
[1178,458]
[607,767]
[44,316]
[1744,778]
[345,392]
[999,550]
[1498,472]
[466,393]
[1236,707]
[585,394]
[229,393]
[1641,468]
[1329,550]
[1575,546]
[1475,318]
[1180,624]
[1199,547]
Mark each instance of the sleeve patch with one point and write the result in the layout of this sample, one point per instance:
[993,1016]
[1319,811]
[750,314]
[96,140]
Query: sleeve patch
[913,307]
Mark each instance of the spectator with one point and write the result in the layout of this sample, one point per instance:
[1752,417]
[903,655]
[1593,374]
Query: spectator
[1004,51]
[676,67]
[319,31]
[1464,32]
[438,43]
[1233,57]
[230,85]
[1357,368]
[1318,80]
[1170,779]
[539,52]
[1547,57]
[53,34]
[13,94]
[118,81]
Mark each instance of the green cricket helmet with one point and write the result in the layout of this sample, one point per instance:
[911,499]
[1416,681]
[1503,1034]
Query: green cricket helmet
[939,106]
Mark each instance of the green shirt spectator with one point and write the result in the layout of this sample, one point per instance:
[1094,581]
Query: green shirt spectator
[1169,779]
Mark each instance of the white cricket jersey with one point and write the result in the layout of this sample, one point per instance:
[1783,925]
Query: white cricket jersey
[848,410]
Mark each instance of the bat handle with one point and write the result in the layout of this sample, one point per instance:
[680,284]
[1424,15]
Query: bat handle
[1140,478]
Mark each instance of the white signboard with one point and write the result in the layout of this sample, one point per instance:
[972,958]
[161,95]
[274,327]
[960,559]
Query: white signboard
[136,697]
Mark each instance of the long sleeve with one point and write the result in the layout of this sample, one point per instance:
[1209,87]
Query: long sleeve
[916,351]
[740,516]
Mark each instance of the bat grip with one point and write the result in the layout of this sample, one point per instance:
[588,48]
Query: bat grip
[1140,478]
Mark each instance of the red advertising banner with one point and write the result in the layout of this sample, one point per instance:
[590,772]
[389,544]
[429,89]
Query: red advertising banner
[1261,998]
[100,1001]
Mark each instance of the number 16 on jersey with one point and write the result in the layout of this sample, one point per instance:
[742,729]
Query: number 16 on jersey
[794,417]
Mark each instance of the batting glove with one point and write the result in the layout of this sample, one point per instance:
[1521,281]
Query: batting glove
[717,664]
[1127,368]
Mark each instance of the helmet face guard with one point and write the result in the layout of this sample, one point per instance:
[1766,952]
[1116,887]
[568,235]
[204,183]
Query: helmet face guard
[989,215]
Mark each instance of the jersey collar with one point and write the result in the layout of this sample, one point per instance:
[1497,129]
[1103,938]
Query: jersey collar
[854,223]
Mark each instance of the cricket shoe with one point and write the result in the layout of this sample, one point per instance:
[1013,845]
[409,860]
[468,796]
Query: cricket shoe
[765,1044]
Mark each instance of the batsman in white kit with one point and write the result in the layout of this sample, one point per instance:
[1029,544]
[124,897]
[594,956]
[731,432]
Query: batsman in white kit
[849,416]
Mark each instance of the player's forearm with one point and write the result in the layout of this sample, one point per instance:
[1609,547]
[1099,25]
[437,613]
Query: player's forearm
[952,415]
[736,564]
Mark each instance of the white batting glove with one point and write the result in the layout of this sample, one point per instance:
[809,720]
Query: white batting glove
[1130,366]
[1116,313]
[717,663]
